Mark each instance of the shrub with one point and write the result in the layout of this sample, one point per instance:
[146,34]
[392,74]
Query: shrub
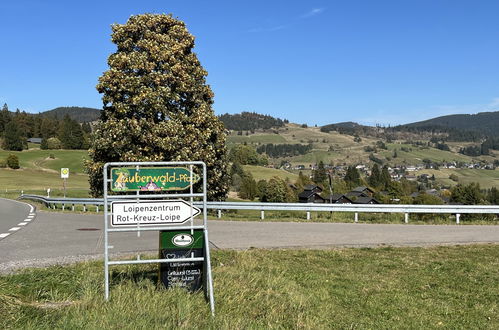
[54,143]
[13,161]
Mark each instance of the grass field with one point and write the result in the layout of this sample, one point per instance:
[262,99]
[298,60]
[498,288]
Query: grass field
[417,154]
[383,288]
[258,138]
[37,179]
[264,173]
[38,159]
[486,178]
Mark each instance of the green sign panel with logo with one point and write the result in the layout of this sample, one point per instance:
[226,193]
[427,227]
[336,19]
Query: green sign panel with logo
[152,179]
[178,244]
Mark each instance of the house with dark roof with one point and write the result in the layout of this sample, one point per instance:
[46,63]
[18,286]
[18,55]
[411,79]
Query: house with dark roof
[338,199]
[356,194]
[365,190]
[366,200]
[311,194]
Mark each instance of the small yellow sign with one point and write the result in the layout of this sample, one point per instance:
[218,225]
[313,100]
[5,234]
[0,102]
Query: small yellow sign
[64,173]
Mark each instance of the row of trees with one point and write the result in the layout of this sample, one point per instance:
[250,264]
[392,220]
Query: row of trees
[17,127]
[283,150]
[250,121]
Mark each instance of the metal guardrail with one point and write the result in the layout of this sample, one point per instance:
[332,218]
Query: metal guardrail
[307,207]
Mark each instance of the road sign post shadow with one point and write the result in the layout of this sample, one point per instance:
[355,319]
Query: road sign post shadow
[148,196]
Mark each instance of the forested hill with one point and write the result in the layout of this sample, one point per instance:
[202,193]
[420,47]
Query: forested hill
[80,114]
[486,123]
[246,121]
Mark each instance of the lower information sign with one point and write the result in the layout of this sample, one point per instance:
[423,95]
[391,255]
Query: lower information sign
[130,213]
[177,244]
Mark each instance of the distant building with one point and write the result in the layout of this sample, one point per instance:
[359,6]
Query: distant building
[338,199]
[366,200]
[365,190]
[35,140]
[311,194]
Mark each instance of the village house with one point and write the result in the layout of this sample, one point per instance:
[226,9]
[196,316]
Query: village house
[311,194]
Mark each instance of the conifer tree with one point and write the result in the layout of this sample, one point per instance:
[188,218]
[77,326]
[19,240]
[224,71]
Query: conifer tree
[13,138]
[320,175]
[375,177]
[157,105]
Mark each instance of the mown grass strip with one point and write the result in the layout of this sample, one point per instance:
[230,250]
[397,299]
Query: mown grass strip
[440,287]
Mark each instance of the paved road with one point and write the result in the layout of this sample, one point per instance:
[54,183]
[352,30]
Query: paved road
[64,237]
[14,216]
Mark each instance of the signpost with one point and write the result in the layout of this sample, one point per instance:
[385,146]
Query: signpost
[64,176]
[148,213]
[152,179]
[141,196]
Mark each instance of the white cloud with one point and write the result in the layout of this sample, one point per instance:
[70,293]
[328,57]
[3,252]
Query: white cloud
[314,12]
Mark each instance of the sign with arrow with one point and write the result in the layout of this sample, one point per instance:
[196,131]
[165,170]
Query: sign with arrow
[152,179]
[127,213]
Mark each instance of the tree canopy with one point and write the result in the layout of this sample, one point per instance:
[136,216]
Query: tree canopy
[157,105]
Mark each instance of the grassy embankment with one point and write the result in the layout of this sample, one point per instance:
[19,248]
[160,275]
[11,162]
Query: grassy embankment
[439,287]
[38,172]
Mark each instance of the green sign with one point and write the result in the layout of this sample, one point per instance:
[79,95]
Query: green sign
[152,179]
[181,244]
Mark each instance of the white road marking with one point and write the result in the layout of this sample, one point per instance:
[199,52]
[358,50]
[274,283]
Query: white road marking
[28,220]
[31,216]
[14,228]
[22,224]
[4,235]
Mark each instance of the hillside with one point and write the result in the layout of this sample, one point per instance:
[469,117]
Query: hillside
[80,114]
[486,123]
[246,121]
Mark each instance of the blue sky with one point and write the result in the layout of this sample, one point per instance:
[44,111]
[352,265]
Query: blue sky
[314,62]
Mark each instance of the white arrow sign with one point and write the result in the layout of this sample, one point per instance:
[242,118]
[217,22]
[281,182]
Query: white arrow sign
[146,213]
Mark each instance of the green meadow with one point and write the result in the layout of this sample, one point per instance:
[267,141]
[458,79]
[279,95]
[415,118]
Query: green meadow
[452,287]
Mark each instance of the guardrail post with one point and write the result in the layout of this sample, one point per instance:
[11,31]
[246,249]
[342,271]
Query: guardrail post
[262,215]
[72,207]
[308,215]
[219,214]
[356,217]
[457,218]
[63,206]
[84,208]
[97,208]
[406,218]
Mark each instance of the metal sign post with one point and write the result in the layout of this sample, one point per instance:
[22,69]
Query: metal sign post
[64,176]
[151,199]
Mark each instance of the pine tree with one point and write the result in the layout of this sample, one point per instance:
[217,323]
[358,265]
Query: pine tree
[71,134]
[385,178]
[5,117]
[13,138]
[352,177]
[320,175]
[375,177]
[157,105]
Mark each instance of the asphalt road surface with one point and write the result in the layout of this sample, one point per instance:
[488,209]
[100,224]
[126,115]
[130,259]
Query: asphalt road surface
[66,237]
[14,216]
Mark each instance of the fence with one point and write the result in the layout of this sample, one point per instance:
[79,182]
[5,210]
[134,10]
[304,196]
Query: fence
[457,210]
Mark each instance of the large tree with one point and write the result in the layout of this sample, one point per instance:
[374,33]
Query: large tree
[157,105]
